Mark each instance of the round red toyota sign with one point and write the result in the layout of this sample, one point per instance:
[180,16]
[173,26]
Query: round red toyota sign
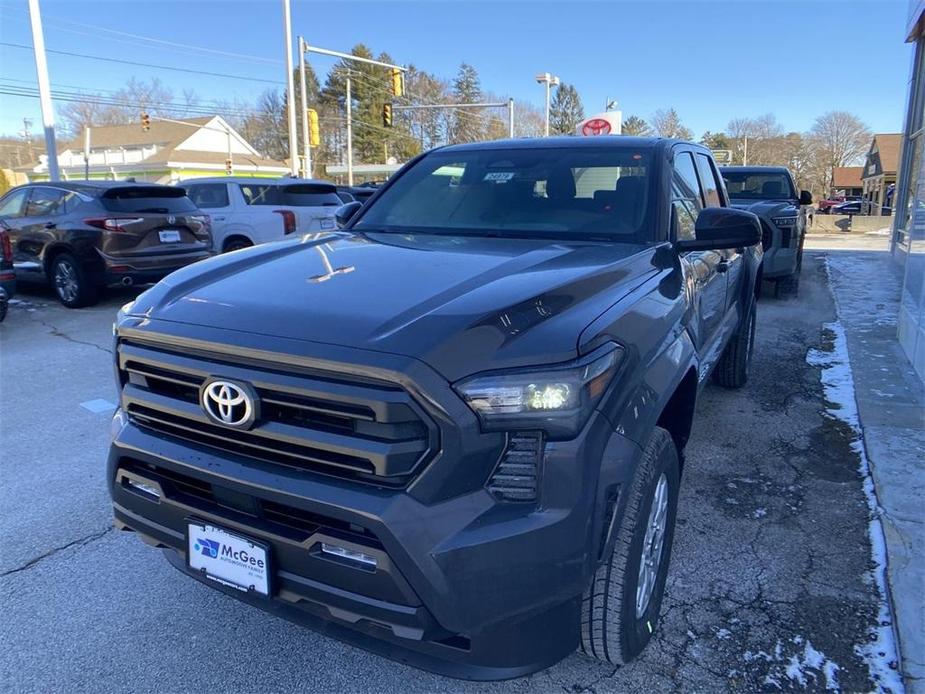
[596,126]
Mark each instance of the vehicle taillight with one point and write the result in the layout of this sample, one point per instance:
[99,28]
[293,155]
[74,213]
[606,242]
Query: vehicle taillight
[203,219]
[288,220]
[6,247]
[112,223]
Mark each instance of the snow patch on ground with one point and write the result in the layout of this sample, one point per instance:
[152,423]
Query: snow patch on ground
[885,231]
[799,662]
[880,652]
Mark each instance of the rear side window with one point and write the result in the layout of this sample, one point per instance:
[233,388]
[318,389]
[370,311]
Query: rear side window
[162,200]
[44,202]
[708,180]
[260,194]
[687,198]
[309,195]
[208,195]
[12,205]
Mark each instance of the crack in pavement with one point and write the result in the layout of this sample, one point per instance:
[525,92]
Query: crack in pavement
[59,333]
[80,542]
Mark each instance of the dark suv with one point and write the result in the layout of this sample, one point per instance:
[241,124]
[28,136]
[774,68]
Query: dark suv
[453,431]
[82,235]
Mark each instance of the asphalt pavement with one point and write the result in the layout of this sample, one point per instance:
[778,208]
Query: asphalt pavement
[771,583]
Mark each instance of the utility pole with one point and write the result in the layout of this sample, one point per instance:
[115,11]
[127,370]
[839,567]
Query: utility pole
[303,90]
[41,68]
[87,153]
[290,94]
[349,134]
[745,153]
[510,117]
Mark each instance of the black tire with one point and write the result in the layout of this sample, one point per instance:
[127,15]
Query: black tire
[71,283]
[613,630]
[236,245]
[732,369]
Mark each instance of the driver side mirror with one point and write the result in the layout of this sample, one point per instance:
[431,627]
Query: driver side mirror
[722,227]
[806,198]
[344,213]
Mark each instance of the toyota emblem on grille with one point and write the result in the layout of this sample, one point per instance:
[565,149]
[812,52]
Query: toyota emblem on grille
[171,219]
[229,403]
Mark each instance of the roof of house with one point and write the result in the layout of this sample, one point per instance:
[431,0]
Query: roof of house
[889,145]
[129,134]
[847,176]
[192,156]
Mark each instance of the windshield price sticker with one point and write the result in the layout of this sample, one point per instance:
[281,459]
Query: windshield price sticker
[499,176]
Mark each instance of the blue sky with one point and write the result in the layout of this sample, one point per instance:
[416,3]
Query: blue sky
[710,60]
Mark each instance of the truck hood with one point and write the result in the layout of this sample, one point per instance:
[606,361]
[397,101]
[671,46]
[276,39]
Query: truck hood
[460,304]
[767,208]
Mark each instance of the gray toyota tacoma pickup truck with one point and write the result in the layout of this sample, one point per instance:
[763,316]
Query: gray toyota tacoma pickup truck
[769,192]
[452,431]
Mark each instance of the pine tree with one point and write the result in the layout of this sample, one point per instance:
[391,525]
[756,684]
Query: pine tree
[467,124]
[634,125]
[565,111]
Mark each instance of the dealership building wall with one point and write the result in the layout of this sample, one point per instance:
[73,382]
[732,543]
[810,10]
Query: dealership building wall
[908,243]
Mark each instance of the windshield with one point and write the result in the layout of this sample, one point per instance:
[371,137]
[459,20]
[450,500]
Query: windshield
[758,185]
[597,193]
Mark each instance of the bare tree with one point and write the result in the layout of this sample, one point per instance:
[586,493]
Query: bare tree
[841,138]
[756,140]
[667,123]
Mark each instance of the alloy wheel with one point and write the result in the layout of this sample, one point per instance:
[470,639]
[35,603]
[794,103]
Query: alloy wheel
[66,282]
[652,546]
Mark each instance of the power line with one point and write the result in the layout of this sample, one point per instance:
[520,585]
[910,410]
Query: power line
[78,97]
[149,65]
[134,38]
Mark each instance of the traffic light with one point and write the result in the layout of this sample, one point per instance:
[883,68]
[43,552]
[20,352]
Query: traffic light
[387,115]
[145,122]
[229,167]
[314,133]
[398,82]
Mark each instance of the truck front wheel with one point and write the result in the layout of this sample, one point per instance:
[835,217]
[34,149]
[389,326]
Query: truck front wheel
[620,609]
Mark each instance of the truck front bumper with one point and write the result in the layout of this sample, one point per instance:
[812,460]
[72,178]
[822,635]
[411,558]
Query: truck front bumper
[469,586]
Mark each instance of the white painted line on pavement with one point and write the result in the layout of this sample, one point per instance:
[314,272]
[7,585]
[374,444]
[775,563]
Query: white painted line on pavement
[98,406]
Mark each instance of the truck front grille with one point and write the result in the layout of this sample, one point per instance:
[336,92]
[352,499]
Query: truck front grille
[309,420]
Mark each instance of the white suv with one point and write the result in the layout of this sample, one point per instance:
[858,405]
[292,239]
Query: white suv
[248,211]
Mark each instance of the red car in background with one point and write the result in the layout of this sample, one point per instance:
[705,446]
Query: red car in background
[825,206]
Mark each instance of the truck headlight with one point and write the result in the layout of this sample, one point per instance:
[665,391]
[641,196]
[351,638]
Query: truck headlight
[557,399]
[784,222]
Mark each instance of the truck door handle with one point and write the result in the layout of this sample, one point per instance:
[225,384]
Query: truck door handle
[722,266]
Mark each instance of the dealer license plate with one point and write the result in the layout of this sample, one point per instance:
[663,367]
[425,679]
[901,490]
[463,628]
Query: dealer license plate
[169,235]
[227,558]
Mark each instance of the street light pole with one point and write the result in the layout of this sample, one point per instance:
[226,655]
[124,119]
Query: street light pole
[510,117]
[550,81]
[290,94]
[41,68]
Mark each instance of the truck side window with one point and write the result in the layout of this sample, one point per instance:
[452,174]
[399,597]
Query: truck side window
[687,197]
[708,181]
